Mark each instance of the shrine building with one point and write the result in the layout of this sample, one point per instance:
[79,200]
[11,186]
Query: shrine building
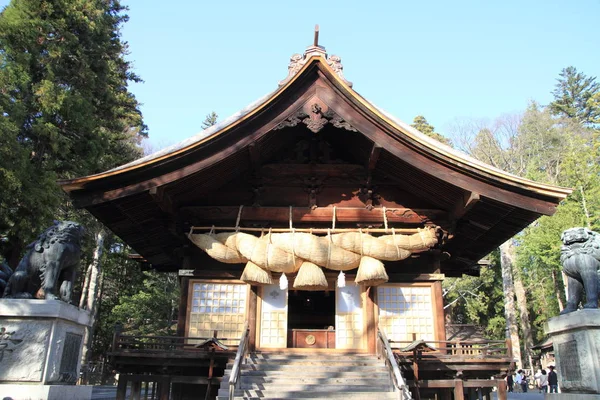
[314,218]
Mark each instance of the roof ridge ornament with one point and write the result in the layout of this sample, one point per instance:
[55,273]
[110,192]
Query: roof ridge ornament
[297,61]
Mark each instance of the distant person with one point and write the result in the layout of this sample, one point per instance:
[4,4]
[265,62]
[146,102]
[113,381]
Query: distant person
[510,382]
[544,382]
[552,380]
[518,380]
[522,380]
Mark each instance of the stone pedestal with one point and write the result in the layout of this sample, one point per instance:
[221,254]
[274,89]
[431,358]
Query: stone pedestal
[40,344]
[576,340]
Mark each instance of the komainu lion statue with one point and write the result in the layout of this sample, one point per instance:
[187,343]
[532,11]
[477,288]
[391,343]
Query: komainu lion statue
[49,266]
[580,257]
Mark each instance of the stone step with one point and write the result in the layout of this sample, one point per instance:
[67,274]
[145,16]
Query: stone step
[314,373]
[297,387]
[310,368]
[287,376]
[311,356]
[308,362]
[267,394]
[285,380]
[262,383]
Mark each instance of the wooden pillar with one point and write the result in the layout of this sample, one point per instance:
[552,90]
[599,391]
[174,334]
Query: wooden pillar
[459,391]
[371,320]
[438,303]
[122,387]
[509,350]
[164,388]
[252,315]
[183,304]
[446,394]
[136,388]
[502,389]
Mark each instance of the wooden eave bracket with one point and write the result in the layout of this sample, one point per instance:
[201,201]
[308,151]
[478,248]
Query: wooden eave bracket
[464,205]
[373,157]
[162,199]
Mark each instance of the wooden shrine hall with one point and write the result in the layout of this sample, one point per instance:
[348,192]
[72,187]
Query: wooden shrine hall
[311,226]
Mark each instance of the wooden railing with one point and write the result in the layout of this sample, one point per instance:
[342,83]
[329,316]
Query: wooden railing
[240,357]
[148,344]
[384,349]
[477,348]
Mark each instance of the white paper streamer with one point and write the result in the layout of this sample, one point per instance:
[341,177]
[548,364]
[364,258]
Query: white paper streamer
[283,282]
[341,281]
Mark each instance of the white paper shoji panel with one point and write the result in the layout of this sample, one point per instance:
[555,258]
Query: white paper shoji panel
[220,307]
[273,329]
[404,310]
[348,330]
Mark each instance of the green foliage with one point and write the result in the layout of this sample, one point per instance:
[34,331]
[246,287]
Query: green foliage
[575,96]
[121,277]
[478,300]
[421,124]
[152,309]
[210,120]
[65,107]
[538,263]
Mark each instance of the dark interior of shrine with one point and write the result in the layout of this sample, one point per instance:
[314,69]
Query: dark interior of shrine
[311,310]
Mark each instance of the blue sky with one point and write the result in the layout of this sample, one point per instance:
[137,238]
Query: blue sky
[441,59]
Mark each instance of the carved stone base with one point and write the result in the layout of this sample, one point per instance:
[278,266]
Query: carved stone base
[40,341]
[576,340]
[46,392]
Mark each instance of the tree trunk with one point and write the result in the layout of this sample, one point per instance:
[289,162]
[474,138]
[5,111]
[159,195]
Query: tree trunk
[85,287]
[509,300]
[586,213]
[557,290]
[525,321]
[93,295]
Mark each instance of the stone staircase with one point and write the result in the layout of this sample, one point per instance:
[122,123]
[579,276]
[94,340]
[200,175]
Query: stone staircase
[280,375]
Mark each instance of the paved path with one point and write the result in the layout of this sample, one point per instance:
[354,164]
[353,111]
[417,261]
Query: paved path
[104,393]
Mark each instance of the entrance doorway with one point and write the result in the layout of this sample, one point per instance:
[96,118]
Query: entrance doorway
[311,319]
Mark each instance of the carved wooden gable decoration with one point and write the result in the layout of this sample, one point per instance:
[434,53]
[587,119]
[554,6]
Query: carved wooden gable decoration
[316,154]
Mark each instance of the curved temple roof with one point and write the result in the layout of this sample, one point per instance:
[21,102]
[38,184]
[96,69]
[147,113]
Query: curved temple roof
[510,201]
[436,148]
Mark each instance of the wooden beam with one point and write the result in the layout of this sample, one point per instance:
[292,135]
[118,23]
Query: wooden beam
[306,214]
[394,277]
[318,170]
